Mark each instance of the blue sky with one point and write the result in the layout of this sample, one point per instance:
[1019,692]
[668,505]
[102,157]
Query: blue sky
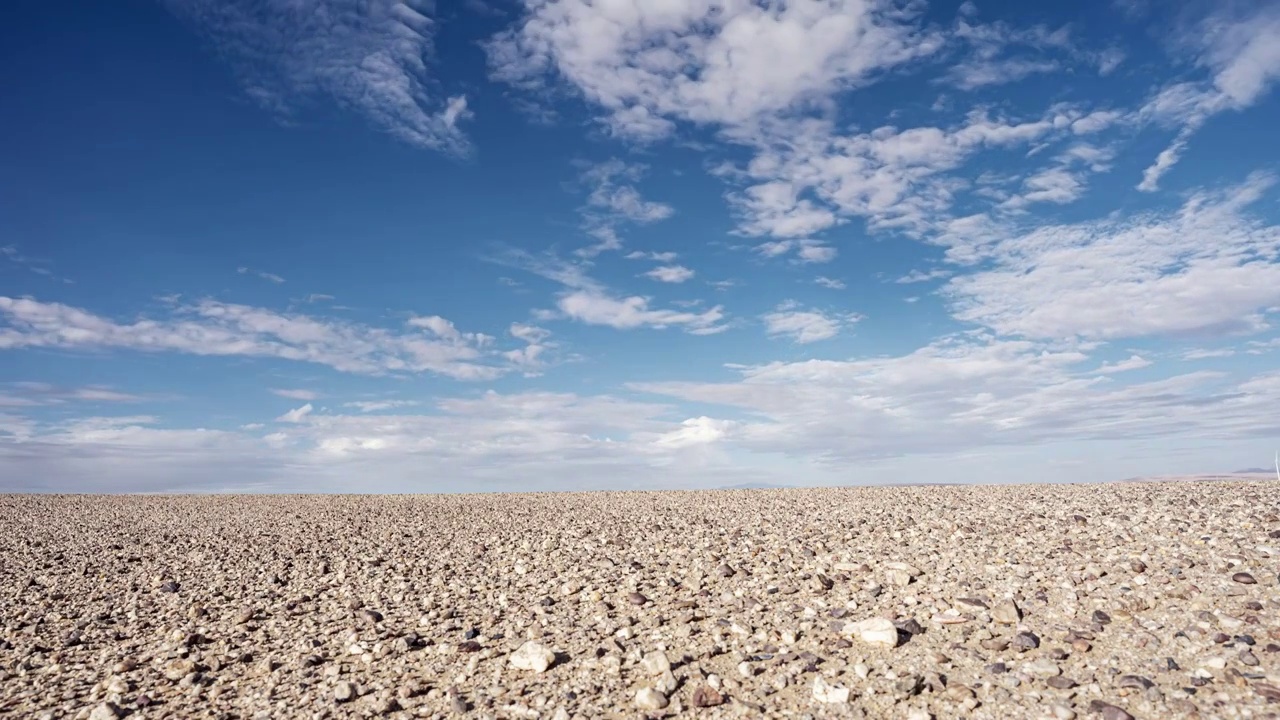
[331,245]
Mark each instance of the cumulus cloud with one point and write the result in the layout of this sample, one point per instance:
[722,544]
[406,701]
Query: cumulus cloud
[295,415]
[650,65]
[804,326]
[594,308]
[370,56]
[670,274]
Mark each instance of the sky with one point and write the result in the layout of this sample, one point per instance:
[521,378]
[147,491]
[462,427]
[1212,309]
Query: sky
[484,245]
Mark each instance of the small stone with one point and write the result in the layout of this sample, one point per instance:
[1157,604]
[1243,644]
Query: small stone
[344,692]
[245,615]
[1111,712]
[649,699]
[1137,566]
[117,684]
[656,663]
[1060,682]
[105,711]
[1006,613]
[997,668]
[1101,617]
[1266,690]
[1134,682]
[876,631]
[1248,658]
[1025,641]
[706,696]
[373,617]
[178,669]
[1244,578]
[637,599]
[725,571]
[169,587]
[824,692]
[909,626]
[532,656]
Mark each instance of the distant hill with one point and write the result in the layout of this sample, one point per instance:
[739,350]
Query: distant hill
[1251,471]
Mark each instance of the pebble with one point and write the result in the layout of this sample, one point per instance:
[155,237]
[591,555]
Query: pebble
[637,599]
[532,656]
[1025,641]
[649,699]
[106,711]
[1060,682]
[1006,613]
[706,696]
[824,692]
[877,631]
[344,692]
[1244,578]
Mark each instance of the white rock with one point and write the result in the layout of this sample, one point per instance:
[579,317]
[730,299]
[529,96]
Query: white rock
[874,631]
[656,663]
[824,692]
[1006,613]
[105,711]
[649,699]
[532,656]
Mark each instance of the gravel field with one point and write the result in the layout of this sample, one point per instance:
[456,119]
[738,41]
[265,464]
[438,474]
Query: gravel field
[1113,601]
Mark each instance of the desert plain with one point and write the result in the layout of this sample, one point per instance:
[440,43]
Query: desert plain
[1126,600]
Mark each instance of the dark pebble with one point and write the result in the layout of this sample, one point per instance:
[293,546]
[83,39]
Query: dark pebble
[143,701]
[1026,641]
[1134,682]
[909,626]
[1272,647]
[1274,534]
[724,570]
[1109,711]
[1220,638]
[997,668]
[1246,639]
[636,598]
[1253,605]
[471,634]
[1137,566]
[843,644]
[546,602]
[1101,618]
[1060,682]
[469,646]
[1199,681]
[1244,578]
[371,616]
[169,587]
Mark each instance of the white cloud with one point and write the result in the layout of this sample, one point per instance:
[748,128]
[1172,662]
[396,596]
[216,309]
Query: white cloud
[595,308]
[1135,362]
[368,55]
[612,201]
[634,58]
[1236,45]
[368,406]
[804,326]
[655,256]
[830,283]
[970,393]
[269,277]
[215,328]
[670,274]
[1208,268]
[918,276]
[807,251]
[296,415]
[296,394]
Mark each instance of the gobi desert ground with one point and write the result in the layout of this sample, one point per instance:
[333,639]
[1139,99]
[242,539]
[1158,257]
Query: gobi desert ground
[1111,601]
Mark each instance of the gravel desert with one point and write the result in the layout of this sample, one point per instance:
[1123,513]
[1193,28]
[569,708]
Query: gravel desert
[1143,600]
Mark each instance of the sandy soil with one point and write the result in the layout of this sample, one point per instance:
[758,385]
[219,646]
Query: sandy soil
[1111,601]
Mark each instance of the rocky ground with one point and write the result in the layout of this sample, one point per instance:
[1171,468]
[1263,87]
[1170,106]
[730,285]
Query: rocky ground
[1110,601]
